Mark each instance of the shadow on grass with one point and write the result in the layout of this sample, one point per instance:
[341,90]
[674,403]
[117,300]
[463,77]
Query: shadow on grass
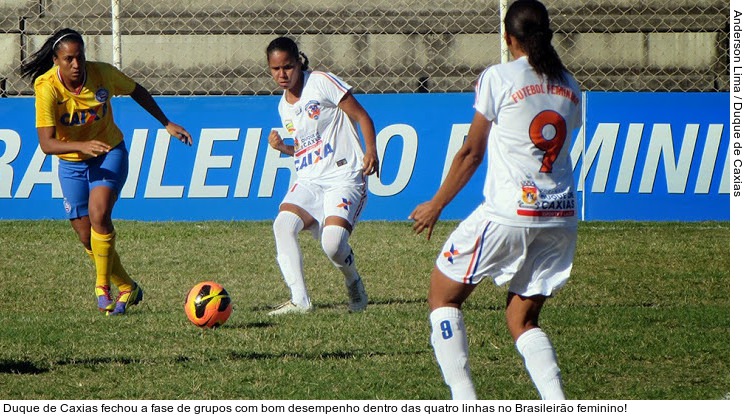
[27,367]
[94,361]
[335,355]
[247,325]
[20,367]
[344,304]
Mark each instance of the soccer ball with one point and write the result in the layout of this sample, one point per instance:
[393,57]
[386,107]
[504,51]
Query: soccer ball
[208,305]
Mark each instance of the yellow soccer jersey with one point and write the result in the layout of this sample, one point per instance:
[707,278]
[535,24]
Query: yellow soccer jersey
[84,116]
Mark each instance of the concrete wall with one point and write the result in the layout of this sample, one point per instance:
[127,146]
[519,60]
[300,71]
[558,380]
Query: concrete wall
[173,47]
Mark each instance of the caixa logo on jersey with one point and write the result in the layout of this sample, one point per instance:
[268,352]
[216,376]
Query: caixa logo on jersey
[81,117]
[312,156]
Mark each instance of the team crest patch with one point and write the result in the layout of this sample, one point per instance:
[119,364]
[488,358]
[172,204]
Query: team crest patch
[312,108]
[102,95]
[67,205]
[529,192]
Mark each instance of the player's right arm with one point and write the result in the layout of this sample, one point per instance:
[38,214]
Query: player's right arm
[277,142]
[53,146]
[464,165]
[46,129]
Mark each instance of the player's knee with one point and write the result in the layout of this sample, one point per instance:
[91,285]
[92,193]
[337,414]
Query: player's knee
[335,244]
[519,325]
[437,301]
[287,225]
[332,248]
[444,292]
[100,217]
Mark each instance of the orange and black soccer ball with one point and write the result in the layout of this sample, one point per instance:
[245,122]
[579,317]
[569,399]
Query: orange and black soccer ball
[208,305]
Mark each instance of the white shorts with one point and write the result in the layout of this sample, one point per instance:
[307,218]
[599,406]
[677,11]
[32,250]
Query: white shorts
[534,261]
[345,199]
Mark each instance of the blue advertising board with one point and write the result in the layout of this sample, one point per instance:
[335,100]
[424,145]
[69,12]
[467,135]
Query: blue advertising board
[654,156]
[639,156]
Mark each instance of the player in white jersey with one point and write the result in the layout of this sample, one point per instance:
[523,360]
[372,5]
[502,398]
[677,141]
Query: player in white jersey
[320,113]
[524,233]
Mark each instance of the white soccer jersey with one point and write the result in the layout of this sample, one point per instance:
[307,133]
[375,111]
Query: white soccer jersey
[529,181]
[326,142]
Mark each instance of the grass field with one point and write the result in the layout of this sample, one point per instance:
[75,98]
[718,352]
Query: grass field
[646,315]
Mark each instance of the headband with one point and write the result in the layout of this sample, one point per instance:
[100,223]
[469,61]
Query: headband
[54,45]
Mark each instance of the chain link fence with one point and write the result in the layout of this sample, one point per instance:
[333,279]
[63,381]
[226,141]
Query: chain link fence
[217,47]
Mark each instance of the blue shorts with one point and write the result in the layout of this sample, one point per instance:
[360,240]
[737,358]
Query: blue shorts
[78,178]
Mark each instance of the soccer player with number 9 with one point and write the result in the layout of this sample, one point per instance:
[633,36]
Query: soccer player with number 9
[524,233]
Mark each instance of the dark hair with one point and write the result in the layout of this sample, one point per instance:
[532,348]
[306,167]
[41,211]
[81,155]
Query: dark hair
[289,46]
[42,60]
[528,21]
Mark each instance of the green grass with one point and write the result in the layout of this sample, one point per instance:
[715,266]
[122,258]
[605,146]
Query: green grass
[646,315]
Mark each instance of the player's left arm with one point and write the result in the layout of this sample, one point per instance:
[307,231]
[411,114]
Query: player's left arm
[464,165]
[145,99]
[358,114]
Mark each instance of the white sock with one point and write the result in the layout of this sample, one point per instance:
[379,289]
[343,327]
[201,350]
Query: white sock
[450,344]
[335,241]
[287,226]
[541,363]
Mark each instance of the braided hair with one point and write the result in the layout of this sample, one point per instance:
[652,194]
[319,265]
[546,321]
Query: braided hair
[42,60]
[528,22]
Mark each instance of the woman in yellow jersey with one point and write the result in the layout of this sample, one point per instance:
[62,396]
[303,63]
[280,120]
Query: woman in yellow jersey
[74,121]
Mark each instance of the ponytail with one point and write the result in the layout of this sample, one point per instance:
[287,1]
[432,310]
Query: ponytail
[527,20]
[304,61]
